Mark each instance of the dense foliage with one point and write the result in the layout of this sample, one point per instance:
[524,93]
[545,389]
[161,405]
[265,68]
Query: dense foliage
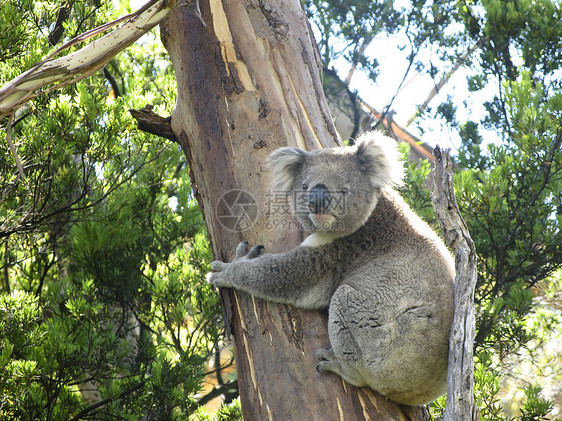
[104,312]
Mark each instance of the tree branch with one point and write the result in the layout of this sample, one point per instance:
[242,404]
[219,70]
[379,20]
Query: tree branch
[58,30]
[99,404]
[79,64]
[150,122]
[460,377]
[13,147]
[437,87]
[111,81]
[229,390]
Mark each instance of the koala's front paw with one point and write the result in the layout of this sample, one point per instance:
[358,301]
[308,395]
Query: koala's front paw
[220,276]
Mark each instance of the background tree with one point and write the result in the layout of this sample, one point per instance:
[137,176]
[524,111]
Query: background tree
[104,310]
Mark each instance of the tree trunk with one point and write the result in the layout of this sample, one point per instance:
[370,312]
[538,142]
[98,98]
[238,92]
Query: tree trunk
[249,81]
[460,376]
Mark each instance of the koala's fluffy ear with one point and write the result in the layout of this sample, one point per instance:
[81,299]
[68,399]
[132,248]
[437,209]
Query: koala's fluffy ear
[286,164]
[378,158]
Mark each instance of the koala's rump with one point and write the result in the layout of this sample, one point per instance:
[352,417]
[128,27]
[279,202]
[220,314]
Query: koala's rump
[404,344]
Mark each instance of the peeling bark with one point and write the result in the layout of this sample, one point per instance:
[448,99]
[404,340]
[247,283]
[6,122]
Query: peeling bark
[249,81]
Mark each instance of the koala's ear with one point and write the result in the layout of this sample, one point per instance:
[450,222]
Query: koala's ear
[379,160]
[285,164]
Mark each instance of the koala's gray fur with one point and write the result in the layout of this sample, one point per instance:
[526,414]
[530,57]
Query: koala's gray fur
[385,276]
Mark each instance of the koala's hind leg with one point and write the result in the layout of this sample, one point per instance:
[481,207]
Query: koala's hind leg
[329,362]
[349,325]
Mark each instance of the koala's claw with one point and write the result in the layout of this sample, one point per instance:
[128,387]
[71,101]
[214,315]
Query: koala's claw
[218,266]
[328,361]
[242,250]
[323,366]
[325,354]
[256,251]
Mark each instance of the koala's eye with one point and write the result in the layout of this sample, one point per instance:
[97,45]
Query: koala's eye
[345,190]
[304,186]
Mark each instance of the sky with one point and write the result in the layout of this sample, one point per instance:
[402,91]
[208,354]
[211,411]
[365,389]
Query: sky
[415,90]
[393,64]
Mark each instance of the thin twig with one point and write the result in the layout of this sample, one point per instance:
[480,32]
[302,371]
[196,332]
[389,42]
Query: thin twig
[108,400]
[12,146]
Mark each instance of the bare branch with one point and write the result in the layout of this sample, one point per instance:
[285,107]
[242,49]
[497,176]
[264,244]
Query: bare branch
[398,132]
[150,122]
[71,68]
[104,402]
[228,389]
[12,146]
[460,377]
[56,34]
[360,52]
[436,88]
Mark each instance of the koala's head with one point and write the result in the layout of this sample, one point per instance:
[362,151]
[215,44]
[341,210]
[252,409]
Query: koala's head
[334,191]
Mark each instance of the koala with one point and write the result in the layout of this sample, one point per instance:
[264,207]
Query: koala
[385,277]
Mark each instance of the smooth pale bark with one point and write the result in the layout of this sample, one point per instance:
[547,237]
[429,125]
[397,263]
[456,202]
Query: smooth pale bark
[249,81]
[460,377]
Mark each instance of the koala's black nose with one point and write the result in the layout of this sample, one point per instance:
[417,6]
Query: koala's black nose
[318,199]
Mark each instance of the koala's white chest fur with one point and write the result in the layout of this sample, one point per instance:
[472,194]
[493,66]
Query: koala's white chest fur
[317,239]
